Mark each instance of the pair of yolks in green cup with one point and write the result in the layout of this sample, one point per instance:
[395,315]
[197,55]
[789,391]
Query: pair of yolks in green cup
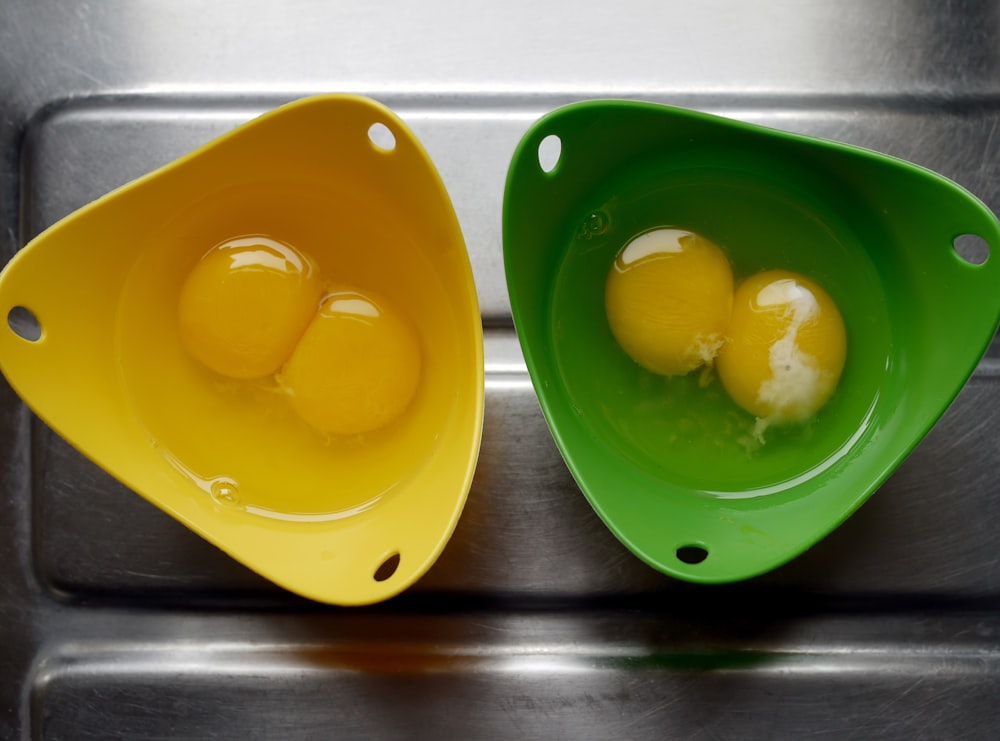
[777,340]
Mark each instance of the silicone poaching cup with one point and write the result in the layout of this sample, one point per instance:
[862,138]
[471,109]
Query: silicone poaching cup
[664,462]
[346,521]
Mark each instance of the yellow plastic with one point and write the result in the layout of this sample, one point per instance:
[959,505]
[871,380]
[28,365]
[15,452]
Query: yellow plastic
[350,519]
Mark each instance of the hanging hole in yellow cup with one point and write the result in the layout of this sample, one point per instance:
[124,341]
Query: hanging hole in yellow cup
[381,137]
[387,568]
[23,322]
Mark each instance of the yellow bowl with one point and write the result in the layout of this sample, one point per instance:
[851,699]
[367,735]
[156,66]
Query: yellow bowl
[348,519]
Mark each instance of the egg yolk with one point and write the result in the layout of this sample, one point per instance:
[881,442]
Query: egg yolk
[245,305]
[786,348]
[668,298]
[356,367]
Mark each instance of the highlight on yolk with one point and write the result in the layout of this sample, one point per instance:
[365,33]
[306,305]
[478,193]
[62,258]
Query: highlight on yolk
[786,348]
[245,305]
[356,367]
[668,299]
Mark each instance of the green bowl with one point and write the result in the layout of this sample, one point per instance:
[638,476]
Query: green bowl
[665,462]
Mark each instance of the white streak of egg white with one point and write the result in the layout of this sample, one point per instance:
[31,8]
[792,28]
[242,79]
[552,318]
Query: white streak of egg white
[795,379]
[706,347]
[703,352]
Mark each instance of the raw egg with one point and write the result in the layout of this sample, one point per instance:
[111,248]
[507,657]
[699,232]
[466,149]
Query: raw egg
[356,367]
[786,348]
[668,298]
[246,303]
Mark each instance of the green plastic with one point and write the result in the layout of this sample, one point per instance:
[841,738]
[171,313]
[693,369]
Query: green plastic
[664,462]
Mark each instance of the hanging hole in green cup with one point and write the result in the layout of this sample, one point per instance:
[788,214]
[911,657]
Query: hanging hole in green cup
[692,554]
[549,151]
[972,248]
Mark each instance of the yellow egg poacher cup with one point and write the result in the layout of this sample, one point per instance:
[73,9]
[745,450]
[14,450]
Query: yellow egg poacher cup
[92,347]
[664,461]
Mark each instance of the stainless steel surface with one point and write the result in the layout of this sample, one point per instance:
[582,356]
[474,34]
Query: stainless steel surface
[116,622]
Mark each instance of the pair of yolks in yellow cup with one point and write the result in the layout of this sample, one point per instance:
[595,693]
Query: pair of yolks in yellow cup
[255,307]
[777,340]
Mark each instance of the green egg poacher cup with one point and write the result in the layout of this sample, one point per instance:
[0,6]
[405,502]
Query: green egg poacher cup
[664,462]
